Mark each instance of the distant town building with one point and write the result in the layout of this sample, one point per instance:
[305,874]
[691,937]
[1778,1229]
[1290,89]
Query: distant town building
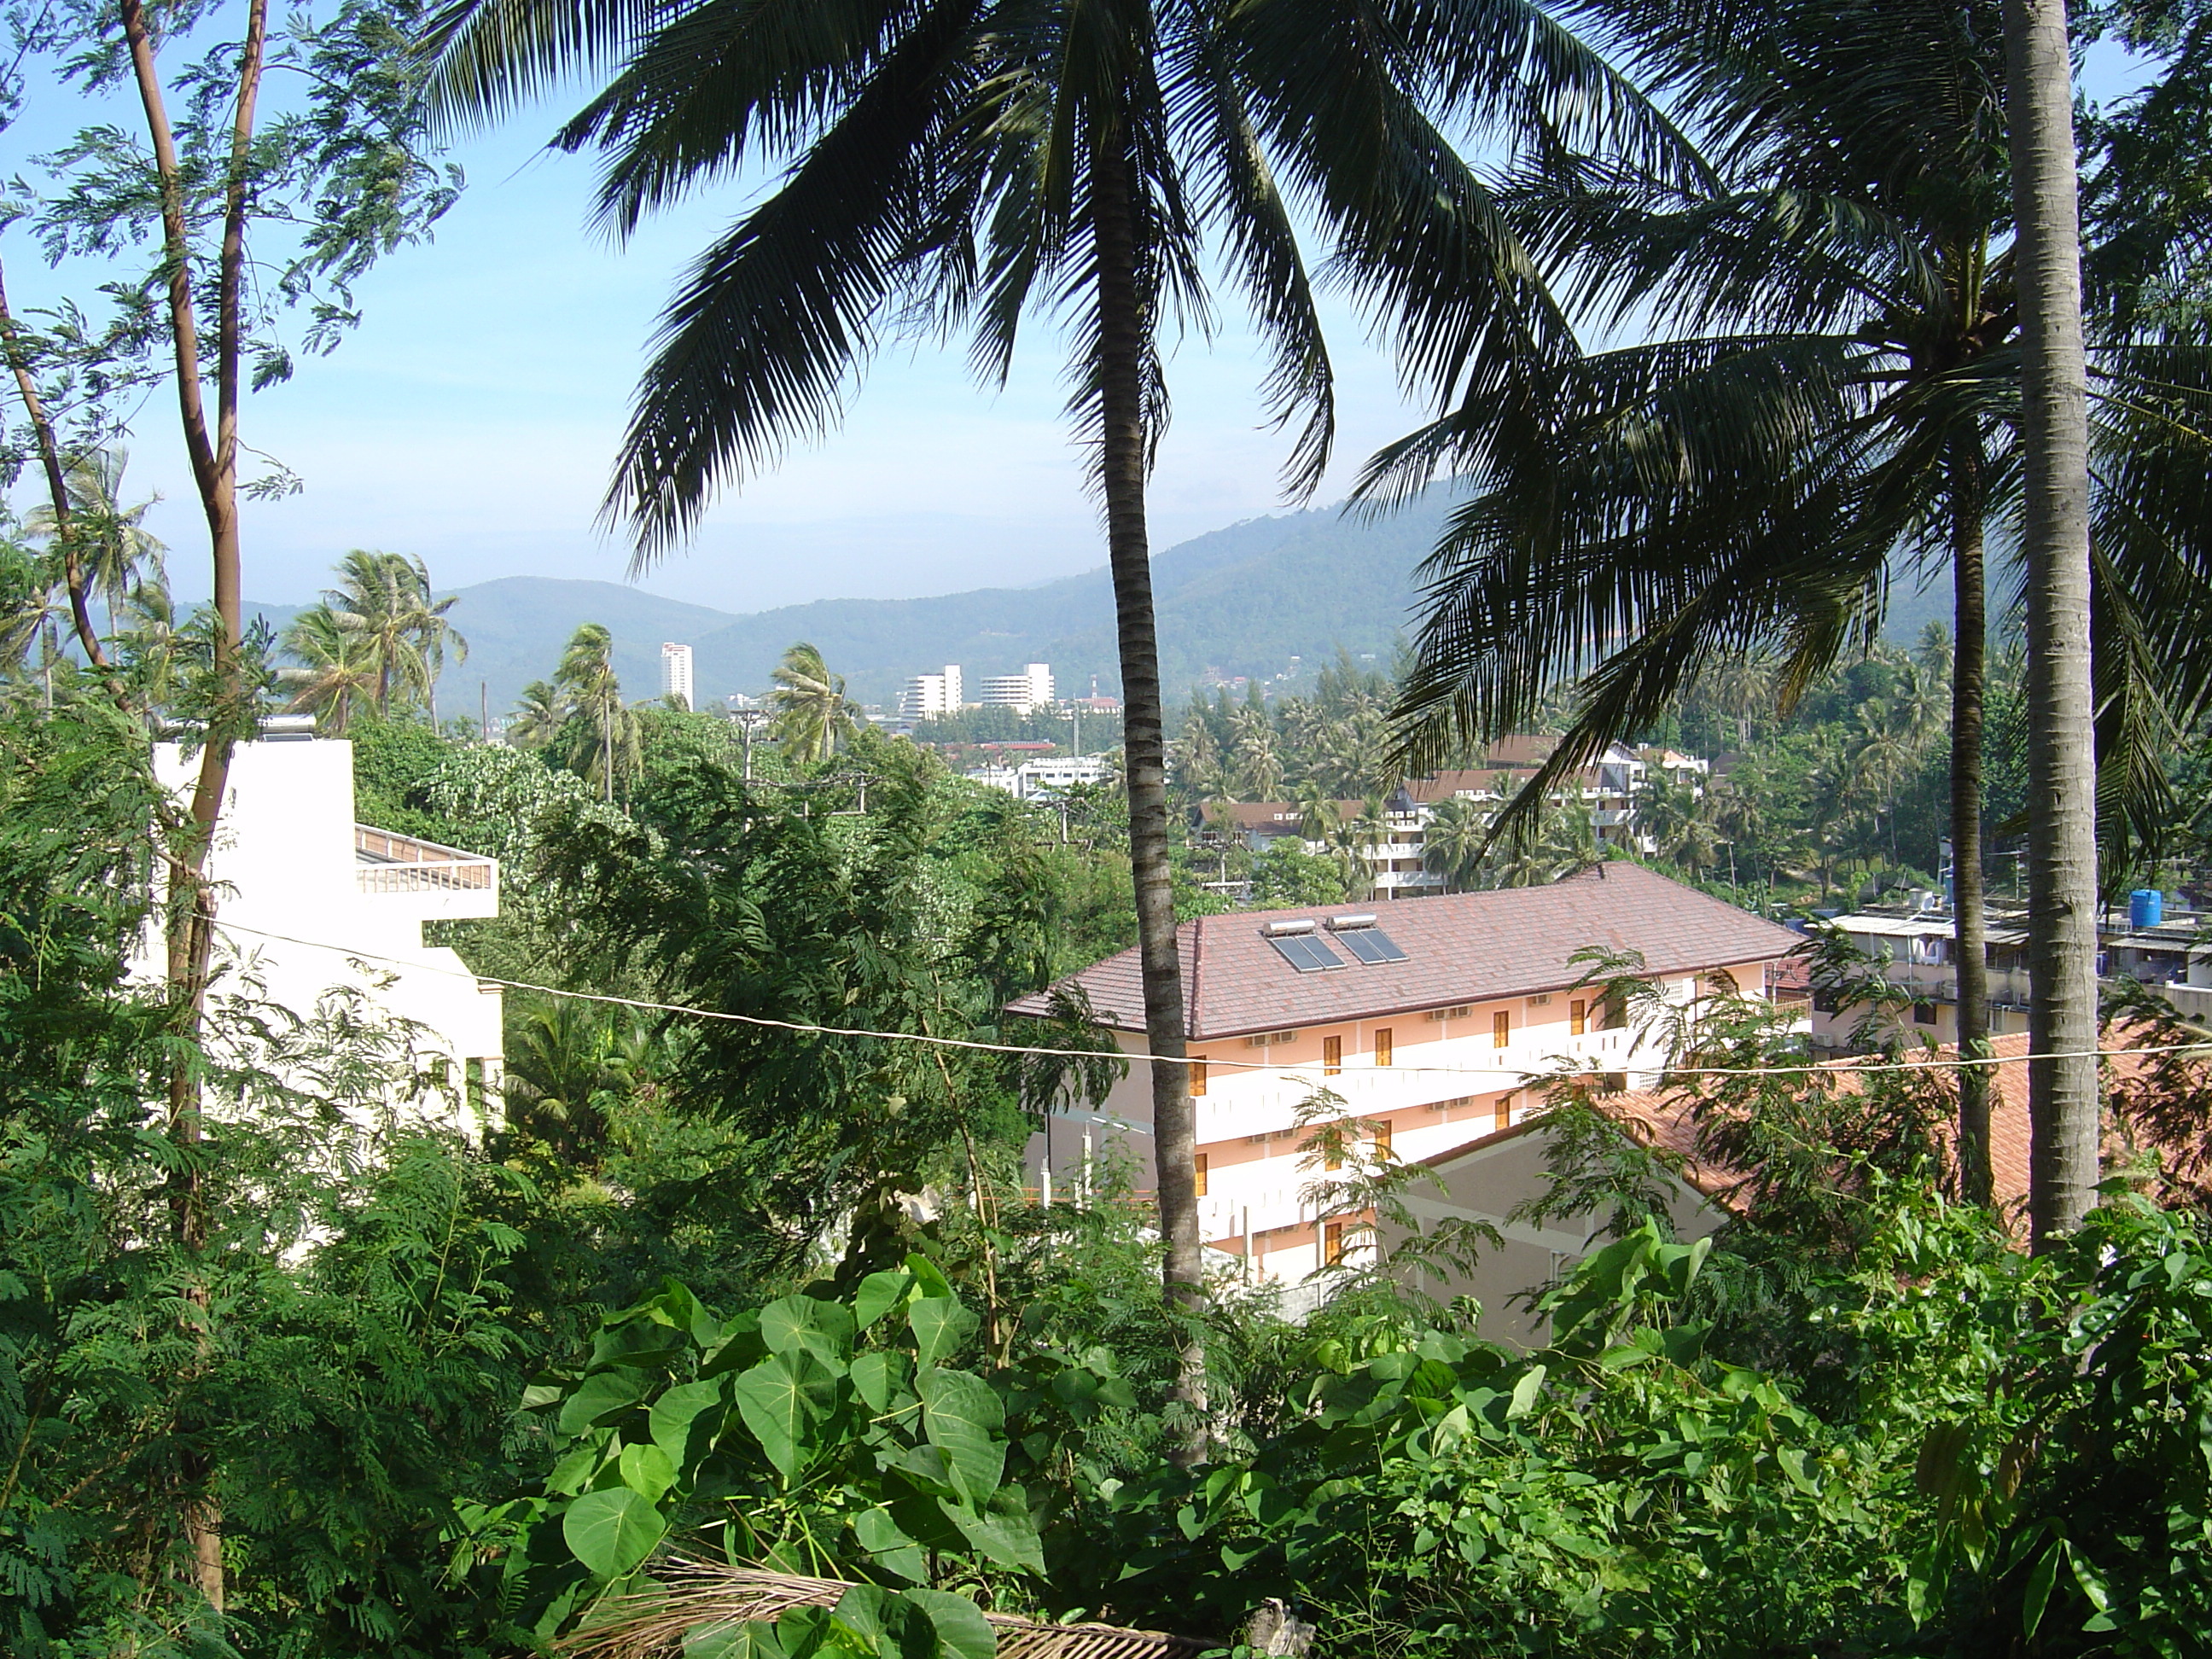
[313,903]
[928,697]
[676,672]
[1045,777]
[1025,692]
[1426,1021]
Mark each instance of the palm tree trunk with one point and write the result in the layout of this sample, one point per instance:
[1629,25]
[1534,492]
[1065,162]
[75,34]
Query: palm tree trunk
[1969,920]
[1124,457]
[2062,1095]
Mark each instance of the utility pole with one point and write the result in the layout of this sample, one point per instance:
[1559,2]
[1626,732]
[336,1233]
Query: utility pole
[748,719]
[483,708]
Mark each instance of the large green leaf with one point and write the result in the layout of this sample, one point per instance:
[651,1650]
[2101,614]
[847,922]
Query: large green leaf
[688,1409]
[963,1632]
[647,1470]
[612,1530]
[939,1325]
[888,1546]
[963,1418]
[1009,1540]
[884,1380]
[601,1395]
[878,1294]
[823,1329]
[784,1400]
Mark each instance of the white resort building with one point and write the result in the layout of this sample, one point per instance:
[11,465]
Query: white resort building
[1024,693]
[1426,1021]
[929,695]
[310,901]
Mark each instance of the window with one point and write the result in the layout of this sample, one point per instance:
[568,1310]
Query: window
[1380,1129]
[1332,1056]
[1197,1070]
[1924,1013]
[1382,1046]
[1331,1241]
[1577,1017]
[1504,1120]
[1198,1169]
[1501,1029]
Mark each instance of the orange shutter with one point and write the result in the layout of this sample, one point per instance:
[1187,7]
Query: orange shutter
[1332,1056]
[1501,1029]
[1197,1070]
[1381,1130]
[1577,1017]
[1382,1046]
[1198,1166]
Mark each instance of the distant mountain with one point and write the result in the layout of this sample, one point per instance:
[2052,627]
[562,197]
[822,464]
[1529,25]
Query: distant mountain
[1243,600]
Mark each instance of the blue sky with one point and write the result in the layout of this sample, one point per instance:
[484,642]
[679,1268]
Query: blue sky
[472,417]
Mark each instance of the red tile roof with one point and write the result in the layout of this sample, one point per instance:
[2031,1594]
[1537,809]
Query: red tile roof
[1460,947]
[1665,1120]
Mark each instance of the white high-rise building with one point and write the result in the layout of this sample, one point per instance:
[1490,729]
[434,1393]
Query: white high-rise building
[928,695]
[676,672]
[1028,691]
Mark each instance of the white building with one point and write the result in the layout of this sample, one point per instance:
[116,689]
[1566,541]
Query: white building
[1426,1021]
[309,901]
[929,695]
[1027,691]
[676,672]
[1044,779]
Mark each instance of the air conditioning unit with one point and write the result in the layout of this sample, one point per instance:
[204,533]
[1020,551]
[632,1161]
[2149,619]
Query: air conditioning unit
[1543,1001]
[1458,1011]
[1268,1037]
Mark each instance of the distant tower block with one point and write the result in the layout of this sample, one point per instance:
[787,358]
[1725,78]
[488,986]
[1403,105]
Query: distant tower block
[929,695]
[676,672]
[1025,692]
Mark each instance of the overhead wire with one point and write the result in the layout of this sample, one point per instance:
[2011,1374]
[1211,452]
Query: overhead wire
[804,1028]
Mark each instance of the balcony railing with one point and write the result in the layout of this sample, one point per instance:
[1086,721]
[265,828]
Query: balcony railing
[393,863]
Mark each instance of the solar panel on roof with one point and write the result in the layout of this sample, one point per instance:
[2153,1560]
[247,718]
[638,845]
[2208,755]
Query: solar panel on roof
[1306,954]
[1370,945]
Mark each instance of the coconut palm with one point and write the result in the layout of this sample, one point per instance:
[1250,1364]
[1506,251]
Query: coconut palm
[1842,393]
[608,739]
[384,601]
[971,163]
[1454,840]
[115,551]
[2056,531]
[813,715]
[336,669]
[540,715]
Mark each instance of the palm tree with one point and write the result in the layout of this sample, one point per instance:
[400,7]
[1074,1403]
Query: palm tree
[976,161]
[115,551]
[1453,843]
[1844,394]
[610,741]
[384,601]
[2055,545]
[812,713]
[538,717]
[336,668]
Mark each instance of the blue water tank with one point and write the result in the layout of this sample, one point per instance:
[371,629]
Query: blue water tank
[2146,907]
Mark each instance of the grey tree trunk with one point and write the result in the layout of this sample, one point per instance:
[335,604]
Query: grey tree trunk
[1124,457]
[2062,1093]
[1970,923]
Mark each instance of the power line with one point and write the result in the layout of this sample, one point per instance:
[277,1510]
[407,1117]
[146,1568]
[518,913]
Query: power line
[1818,1068]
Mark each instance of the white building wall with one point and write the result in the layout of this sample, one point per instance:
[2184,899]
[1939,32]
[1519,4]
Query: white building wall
[1448,1083]
[299,910]
[676,672]
[928,695]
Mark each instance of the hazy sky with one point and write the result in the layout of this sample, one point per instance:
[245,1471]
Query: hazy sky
[472,420]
